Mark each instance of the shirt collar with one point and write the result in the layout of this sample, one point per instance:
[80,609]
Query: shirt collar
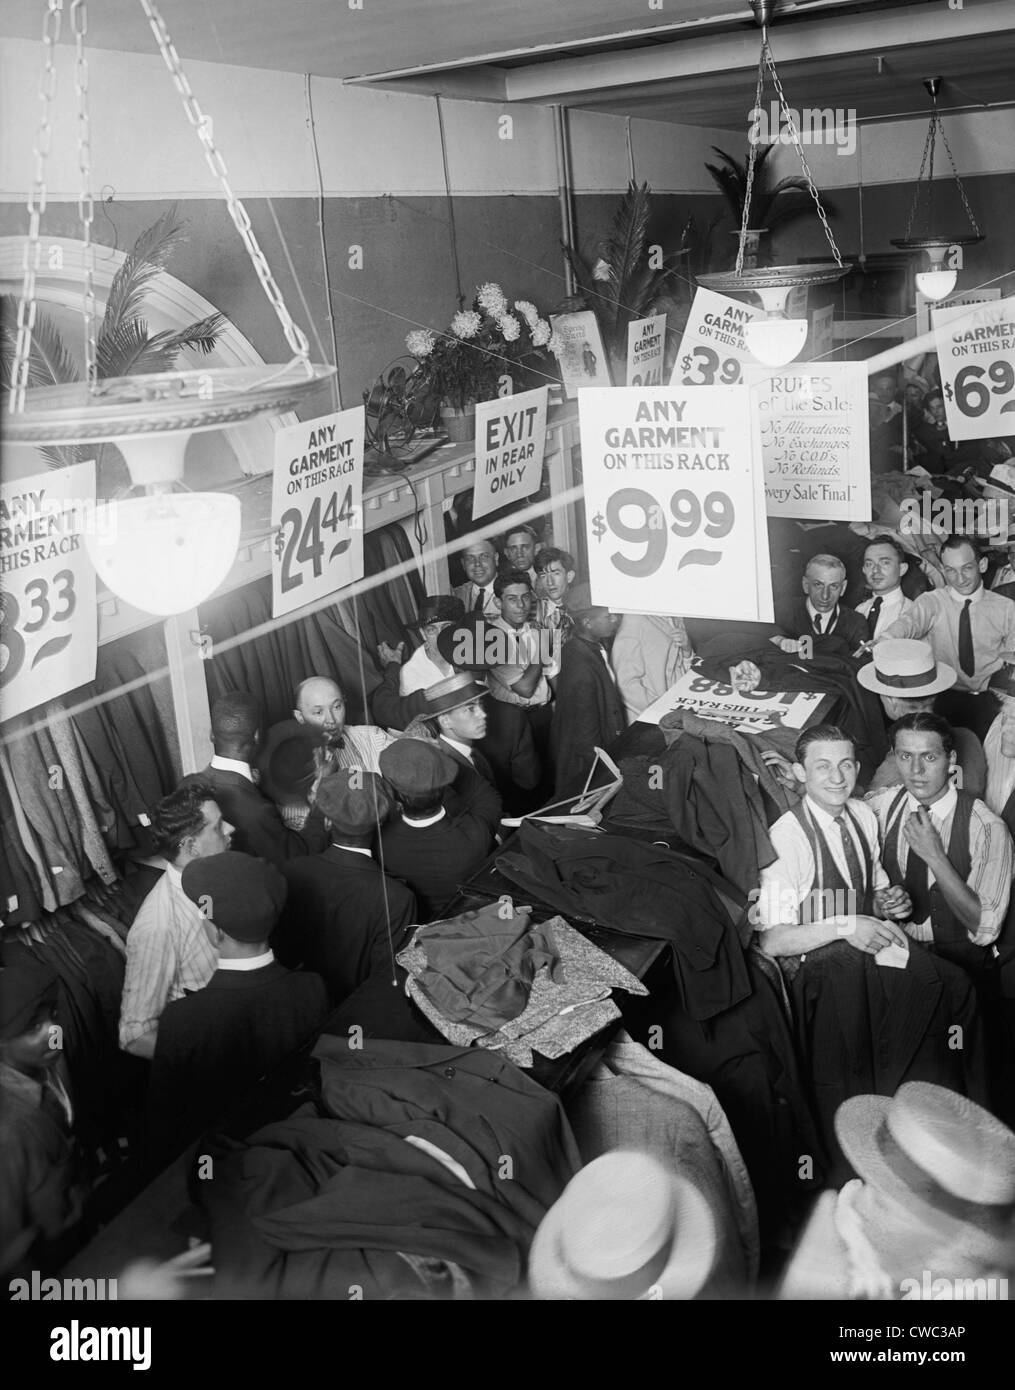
[464,748]
[417,824]
[819,813]
[826,618]
[961,598]
[231,765]
[352,849]
[941,809]
[247,962]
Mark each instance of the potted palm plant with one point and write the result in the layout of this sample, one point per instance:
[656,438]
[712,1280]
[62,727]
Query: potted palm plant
[124,345]
[617,282]
[772,205]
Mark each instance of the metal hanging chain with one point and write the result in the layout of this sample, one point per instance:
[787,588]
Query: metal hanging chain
[86,207]
[951,159]
[927,163]
[202,124]
[928,148]
[769,57]
[36,207]
[751,159]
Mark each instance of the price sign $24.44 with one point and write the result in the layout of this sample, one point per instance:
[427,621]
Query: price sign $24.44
[713,516]
[300,542]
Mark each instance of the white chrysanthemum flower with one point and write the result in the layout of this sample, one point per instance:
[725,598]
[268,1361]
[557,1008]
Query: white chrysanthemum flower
[528,311]
[555,344]
[420,342]
[492,298]
[466,323]
[540,333]
[510,327]
[601,270]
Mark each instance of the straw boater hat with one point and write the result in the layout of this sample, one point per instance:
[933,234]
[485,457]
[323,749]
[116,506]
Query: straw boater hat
[944,1164]
[906,670]
[624,1226]
[459,689]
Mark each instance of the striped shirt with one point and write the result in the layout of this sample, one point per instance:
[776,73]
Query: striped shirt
[990,852]
[168,955]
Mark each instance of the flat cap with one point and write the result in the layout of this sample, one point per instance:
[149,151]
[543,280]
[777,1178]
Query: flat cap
[354,800]
[416,768]
[239,894]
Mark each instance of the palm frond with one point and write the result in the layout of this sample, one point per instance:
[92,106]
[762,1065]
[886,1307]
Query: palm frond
[201,335]
[49,362]
[132,350]
[146,258]
[624,248]
[63,455]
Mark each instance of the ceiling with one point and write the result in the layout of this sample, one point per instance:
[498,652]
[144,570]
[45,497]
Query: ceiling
[690,61]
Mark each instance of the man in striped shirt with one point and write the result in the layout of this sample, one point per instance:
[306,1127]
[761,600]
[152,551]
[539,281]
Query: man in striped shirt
[168,951]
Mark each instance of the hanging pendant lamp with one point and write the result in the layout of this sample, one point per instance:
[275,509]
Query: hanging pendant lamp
[166,548]
[775,340]
[940,280]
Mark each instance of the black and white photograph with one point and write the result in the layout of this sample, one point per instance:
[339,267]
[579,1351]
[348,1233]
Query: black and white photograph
[507,674]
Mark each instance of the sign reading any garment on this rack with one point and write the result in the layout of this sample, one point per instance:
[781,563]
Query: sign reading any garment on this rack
[317,509]
[48,621]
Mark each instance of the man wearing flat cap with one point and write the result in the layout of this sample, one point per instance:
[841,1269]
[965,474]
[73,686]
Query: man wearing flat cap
[345,918]
[589,709]
[41,1194]
[432,850]
[253,1012]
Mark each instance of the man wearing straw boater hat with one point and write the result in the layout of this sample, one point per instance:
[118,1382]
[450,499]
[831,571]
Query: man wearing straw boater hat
[908,678]
[456,706]
[932,1212]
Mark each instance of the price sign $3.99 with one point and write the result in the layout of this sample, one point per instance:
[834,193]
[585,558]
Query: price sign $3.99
[304,543]
[714,516]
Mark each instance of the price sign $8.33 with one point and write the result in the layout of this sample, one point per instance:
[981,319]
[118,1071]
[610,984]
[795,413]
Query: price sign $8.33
[300,541]
[704,367]
[972,394]
[713,516]
[44,602]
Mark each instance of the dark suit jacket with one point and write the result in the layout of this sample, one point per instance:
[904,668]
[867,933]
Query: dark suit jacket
[259,829]
[473,789]
[390,709]
[434,859]
[795,621]
[335,920]
[217,1042]
[588,710]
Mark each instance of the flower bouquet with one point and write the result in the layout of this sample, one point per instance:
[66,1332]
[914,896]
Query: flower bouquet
[465,363]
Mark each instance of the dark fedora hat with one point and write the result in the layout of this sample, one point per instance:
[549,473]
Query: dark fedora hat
[440,608]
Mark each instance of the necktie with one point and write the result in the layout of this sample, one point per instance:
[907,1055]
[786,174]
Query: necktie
[966,659]
[855,871]
[480,605]
[917,884]
[873,615]
[817,623]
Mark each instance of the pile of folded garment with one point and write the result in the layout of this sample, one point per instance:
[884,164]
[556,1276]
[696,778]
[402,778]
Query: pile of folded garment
[494,979]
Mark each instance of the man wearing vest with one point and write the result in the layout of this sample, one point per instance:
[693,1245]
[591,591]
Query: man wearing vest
[953,855]
[870,1011]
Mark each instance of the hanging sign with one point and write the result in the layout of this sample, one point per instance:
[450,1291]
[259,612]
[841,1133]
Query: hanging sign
[815,439]
[49,631]
[712,350]
[761,709]
[510,442]
[822,333]
[646,342]
[976,358]
[674,503]
[925,305]
[317,509]
[582,356]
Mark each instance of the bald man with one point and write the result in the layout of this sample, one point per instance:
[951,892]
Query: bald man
[320,706]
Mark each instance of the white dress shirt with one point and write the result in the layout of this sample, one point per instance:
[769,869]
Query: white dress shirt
[231,765]
[893,605]
[786,883]
[247,962]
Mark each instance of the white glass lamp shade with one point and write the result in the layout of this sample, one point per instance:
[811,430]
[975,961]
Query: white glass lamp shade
[167,552]
[775,340]
[937,282]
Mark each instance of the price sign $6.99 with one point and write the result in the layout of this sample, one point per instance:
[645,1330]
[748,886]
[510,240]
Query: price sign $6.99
[972,395]
[304,544]
[714,516]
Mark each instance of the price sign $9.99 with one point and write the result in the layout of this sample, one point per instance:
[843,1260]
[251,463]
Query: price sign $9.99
[713,516]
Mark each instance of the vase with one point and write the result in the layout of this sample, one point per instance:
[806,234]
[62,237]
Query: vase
[459,424]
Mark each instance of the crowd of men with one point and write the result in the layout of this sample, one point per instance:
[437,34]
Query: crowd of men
[299,859]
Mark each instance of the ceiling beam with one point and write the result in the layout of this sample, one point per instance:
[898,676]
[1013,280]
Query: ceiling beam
[574,81]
